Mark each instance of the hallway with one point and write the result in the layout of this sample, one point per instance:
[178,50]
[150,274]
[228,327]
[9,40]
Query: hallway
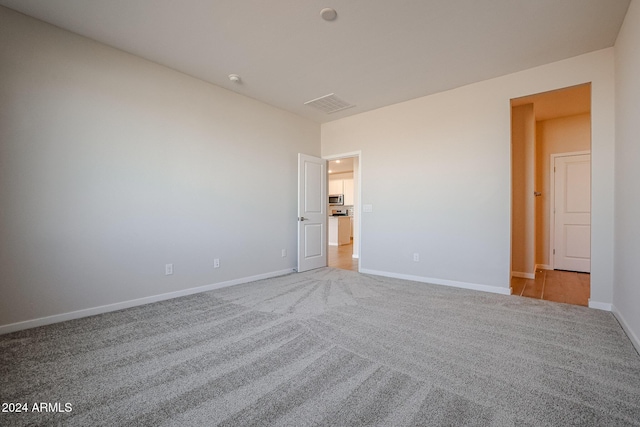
[342,257]
[555,285]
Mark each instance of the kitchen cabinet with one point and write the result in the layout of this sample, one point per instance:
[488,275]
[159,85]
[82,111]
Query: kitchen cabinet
[336,186]
[343,186]
[339,230]
[347,186]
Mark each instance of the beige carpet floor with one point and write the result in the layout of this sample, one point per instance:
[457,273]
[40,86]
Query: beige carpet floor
[329,347]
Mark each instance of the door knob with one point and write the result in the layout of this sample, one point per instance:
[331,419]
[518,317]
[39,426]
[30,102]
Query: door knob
[303,219]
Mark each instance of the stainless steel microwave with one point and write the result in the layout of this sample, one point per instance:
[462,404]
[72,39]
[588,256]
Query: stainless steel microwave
[336,199]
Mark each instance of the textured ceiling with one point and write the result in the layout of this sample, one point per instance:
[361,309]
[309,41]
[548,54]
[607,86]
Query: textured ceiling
[376,53]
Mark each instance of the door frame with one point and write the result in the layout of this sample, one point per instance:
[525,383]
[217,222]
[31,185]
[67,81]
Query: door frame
[358,191]
[552,198]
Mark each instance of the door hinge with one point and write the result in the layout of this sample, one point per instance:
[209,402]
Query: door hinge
[554,251]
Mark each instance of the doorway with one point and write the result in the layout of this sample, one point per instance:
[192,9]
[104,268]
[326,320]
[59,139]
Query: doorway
[343,243]
[546,127]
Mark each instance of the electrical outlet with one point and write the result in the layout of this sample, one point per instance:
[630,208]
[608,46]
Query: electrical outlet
[168,269]
[416,257]
[216,263]
[284,253]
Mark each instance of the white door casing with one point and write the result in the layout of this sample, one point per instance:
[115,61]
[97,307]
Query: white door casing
[572,213]
[312,212]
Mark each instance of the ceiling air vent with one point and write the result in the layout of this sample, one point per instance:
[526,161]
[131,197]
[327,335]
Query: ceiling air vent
[329,104]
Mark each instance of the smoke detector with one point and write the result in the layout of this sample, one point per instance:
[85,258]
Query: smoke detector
[328,14]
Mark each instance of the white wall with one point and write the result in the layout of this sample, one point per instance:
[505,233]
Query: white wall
[112,166]
[445,160]
[523,158]
[627,196]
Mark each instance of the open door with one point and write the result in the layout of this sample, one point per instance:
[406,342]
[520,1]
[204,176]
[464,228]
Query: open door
[312,212]
[572,213]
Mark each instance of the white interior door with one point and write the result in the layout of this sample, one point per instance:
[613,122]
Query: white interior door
[312,212]
[572,217]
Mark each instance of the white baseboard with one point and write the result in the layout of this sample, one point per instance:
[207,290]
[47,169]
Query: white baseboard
[443,282]
[27,324]
[531,276]
[625,326]
[599,305]
[543,267]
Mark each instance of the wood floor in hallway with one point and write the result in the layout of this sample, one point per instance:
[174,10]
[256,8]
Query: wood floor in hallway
[555,285]
[342,257]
